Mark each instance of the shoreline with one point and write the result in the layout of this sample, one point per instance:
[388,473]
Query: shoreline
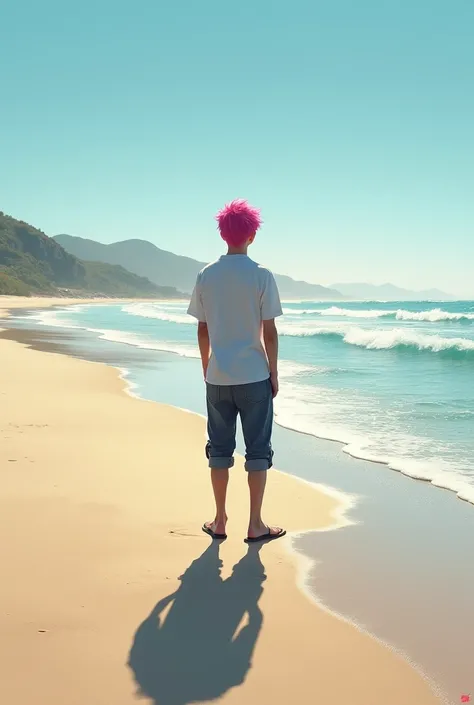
[11,303]
[461,495]
[290,481]
[464,493]
[344,501]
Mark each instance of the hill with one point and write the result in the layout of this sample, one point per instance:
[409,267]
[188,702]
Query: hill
[33,263]
[145,259]
[390,292]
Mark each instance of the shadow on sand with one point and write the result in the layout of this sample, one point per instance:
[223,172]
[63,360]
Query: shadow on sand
[198,642]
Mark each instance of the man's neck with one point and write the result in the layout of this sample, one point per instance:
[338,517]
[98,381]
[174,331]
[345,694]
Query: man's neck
[237,251]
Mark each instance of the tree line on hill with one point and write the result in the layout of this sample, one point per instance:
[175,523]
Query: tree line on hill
[33,263]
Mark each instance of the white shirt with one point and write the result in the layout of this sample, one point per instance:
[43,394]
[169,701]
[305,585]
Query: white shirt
[233,296]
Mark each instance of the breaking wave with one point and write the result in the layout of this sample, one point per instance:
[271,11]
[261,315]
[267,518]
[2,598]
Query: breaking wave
[435,315]
[390,339]
[158,312]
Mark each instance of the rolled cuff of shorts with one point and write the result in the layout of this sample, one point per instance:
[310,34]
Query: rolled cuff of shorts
[217,463]
[257,465]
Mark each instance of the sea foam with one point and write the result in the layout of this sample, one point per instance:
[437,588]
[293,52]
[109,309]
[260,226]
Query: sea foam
[435,315]
[56,319]
[384,339]
[159,312]
[334,416]
[401,338]
[351,313]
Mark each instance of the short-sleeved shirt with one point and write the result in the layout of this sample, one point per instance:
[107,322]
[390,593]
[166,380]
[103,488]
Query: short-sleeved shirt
[234,295]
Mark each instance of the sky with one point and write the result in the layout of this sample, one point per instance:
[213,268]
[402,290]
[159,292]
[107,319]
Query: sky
[350,124]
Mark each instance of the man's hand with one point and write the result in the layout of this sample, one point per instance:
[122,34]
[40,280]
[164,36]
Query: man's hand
[275,385]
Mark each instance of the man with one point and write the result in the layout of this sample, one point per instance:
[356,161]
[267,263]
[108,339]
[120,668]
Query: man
[236,302]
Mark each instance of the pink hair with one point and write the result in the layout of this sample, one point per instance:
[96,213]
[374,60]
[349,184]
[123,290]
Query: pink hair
[238,221]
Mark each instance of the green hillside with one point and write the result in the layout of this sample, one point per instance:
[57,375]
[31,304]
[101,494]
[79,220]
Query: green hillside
[33,263]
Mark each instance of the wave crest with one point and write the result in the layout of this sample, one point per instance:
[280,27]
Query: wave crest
[155,311]
[389,339]
[301,311]
[435,315]
[351,313]
[400,338]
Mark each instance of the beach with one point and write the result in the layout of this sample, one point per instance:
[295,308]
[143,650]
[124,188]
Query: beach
[113,593]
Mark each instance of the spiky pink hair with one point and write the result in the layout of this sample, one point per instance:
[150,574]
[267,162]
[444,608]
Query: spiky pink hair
[237,222]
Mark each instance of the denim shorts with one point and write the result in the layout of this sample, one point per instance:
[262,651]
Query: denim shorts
[254,404]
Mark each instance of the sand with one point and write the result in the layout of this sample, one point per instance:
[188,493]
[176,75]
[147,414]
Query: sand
[110,592]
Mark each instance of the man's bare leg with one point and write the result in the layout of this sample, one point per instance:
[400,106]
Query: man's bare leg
[220,480]
[257,481]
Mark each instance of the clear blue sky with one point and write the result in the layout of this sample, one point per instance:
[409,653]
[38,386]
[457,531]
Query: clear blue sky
[351,124]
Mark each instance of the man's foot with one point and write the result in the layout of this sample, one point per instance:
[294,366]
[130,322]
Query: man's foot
[215,529]
[262,532]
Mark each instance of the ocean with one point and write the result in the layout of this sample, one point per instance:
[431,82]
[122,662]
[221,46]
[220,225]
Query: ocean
[393,382]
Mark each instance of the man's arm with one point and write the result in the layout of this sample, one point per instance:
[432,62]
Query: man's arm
[270,340]
[270,308]
[196,309]
[204,346]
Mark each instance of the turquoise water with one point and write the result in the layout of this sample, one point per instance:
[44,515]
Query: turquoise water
[393,382]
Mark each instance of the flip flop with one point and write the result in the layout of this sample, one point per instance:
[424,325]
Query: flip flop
[212,533]
[266,537]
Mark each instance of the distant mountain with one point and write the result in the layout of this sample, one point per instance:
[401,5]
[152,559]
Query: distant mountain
[33,263]
[389,292]
[145,259]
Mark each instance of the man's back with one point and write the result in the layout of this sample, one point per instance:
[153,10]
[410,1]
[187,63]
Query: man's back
[233,296]
[236,301]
